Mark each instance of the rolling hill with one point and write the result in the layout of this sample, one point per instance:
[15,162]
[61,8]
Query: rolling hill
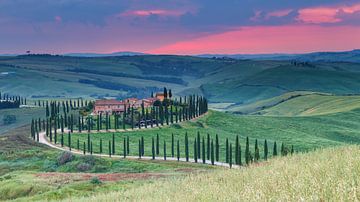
[221,80]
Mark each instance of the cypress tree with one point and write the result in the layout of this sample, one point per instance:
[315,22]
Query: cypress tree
[78,144]
[91,148]
[212,152]
[282,150]
[153,148]
[275,149]
[101,147]
[265,150]
[247,152]
[257,152]
[217,147]
[227,151]
[198,145]
[157,144]
[203,150]
[139,149]
[164,150]
[195,151]
[128,145]
[237,150]
[292,149]
[84,148]
[88,142]
[208,146]
[124,147]
[172,145]
[109,148]
[69,140]
[186,147]
[113,144]
[178,150]
[230,156]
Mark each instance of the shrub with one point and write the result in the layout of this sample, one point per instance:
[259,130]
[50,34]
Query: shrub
[82,167]
[64,158]
[95,180]
[89,160]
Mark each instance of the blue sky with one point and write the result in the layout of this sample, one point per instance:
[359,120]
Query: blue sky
[178,26]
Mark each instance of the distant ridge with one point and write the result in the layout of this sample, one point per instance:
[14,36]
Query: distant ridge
[344,56]
[104,54]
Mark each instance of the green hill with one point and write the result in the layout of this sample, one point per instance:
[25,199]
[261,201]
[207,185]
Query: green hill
[220,80]
[322,175]
[313,104]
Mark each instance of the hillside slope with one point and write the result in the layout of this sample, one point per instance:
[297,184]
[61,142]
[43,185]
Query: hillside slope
[313,104]
[219,79]
[323,175]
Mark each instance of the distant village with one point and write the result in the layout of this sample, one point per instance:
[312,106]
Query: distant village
[118,106]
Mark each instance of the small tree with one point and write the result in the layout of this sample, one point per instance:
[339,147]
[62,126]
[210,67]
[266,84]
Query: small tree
[275,149]
[113,144]
[217,147]
[195,151]
[172,145]
[230,156]
[265,150]
[292,149]
[257,152]
[124,147]
[157,144]
[164,150]
[208,147]
[212,152]
[153,148]
[203,150]
[101,146]
[186,147]
[178,150]
[109,148]
[227,151]
[247,152]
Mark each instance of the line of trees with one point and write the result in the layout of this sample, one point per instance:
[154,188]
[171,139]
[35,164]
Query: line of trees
[203,148]
[7,101]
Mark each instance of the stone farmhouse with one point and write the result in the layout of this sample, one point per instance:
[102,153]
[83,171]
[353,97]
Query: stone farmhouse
[119,106]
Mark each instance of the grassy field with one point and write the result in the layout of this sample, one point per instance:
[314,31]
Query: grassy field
[305,133]
[31,172]
[314,104]
[23,117]
[324,175]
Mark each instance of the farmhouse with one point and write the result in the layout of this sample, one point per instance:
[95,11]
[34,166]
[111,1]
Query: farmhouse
[160,96]
[116,106]
[108,106]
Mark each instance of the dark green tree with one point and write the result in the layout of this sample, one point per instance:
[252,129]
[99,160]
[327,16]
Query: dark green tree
[257,152]
[212,152]
[217,148]
[203,150]
[113,144]
[178,150]
[164,150]
[195,151]
[208,146]
[157,144]
[101,146]
[247,152]
[186,147]
[227,151]
[275,149]
[266,150]
[153,148]
[172,145]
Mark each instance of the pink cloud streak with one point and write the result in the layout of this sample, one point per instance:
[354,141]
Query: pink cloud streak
[270,39]
[144,13]
[325,14]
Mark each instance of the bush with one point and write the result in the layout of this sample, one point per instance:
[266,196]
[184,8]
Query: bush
[89,160]
[9,119]
[64,158]
[82,167]
[95,180]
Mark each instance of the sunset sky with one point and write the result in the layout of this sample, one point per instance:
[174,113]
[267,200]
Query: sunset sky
[179,26]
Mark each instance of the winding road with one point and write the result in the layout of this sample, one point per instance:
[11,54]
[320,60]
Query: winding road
[43,139]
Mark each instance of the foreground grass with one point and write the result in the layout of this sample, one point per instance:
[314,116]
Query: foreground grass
[30,171]
[331,174]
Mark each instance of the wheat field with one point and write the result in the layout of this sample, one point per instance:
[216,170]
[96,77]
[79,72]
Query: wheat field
[331,174]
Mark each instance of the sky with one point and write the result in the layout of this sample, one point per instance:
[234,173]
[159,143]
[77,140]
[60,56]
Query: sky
[186,27]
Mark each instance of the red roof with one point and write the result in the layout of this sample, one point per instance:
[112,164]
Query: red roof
[108,102]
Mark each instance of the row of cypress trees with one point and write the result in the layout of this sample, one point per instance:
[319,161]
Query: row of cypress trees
[7,101]
[204,149]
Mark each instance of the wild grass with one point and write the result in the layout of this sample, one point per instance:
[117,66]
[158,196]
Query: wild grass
[331,174]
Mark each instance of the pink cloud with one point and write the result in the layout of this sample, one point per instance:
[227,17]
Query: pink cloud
[326,14]
[145,13]
[270,39]
[280,13]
